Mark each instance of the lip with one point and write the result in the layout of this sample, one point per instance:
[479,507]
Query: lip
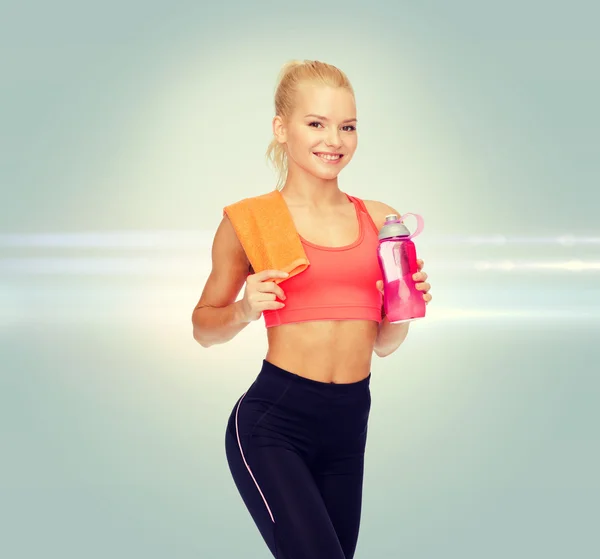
[334,162]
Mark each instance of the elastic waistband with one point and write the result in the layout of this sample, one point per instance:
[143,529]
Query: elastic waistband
[327,387]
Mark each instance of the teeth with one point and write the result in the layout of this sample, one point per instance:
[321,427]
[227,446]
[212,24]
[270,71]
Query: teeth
[329,157]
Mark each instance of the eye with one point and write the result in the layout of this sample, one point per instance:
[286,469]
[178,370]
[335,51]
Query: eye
[347,128]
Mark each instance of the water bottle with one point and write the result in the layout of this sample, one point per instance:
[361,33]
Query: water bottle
[402,301]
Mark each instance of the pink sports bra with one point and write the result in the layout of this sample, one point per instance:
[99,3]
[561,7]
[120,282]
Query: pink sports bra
[340,282]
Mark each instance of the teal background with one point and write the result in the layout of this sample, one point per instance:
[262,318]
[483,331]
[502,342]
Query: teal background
[127,127]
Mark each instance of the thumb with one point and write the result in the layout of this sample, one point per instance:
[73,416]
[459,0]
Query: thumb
[379,285]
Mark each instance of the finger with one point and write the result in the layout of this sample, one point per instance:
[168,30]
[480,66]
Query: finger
[279,292]
[424,286]
[263,296]
[379,285]
[420,276]
[272,306]
[270,287]
[420,263]
[257,300]
[269,274]
[427,297]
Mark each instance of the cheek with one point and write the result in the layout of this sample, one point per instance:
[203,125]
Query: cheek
[352,142]
[301,141]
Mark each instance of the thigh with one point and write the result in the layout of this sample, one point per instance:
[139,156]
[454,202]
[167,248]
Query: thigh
[282,497]
[339,479]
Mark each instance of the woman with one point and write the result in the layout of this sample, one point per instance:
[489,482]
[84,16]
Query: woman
[295,441]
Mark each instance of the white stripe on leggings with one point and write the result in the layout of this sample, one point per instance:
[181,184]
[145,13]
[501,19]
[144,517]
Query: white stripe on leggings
[237,432]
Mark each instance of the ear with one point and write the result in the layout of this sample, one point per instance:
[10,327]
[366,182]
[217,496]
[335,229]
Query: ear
[279,130]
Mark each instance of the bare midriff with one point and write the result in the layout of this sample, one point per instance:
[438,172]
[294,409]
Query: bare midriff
[331,351]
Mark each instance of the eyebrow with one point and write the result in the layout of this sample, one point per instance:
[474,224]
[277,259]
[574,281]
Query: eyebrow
[325,118]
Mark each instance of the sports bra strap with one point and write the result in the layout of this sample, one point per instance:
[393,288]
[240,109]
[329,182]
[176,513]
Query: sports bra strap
[363,208]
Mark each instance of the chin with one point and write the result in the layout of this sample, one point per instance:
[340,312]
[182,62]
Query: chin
[326,173]
[325,176]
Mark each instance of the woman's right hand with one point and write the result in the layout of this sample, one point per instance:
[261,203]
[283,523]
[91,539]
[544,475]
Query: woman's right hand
[260,293]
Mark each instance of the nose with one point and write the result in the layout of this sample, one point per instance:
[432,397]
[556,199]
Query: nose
[333,138]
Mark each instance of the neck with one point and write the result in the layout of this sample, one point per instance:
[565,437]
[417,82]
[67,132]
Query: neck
[308,190]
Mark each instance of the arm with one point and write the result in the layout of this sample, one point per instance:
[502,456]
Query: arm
[217,317]
[389,337]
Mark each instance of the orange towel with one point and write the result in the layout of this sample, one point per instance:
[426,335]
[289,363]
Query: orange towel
[265,227]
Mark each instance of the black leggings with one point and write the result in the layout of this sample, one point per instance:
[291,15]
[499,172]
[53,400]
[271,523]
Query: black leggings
[295,448]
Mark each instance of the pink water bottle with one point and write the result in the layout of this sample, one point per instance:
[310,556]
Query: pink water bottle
[402,301]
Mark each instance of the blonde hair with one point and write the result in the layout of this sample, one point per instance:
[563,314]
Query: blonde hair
[291,75]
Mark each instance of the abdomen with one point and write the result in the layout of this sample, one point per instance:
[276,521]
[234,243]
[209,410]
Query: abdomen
[326,350]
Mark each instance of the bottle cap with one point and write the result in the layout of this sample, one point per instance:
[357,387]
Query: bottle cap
[393,228]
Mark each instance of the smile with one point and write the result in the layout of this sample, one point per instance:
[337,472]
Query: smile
[329,157]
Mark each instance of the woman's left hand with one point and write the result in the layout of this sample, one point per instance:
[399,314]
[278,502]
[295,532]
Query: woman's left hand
[420,284]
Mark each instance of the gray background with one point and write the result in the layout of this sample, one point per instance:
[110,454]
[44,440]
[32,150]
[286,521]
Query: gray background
[126,128]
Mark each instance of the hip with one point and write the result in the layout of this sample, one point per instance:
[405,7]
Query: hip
[311,412]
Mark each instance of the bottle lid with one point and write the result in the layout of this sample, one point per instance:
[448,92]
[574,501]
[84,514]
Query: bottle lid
[393,228]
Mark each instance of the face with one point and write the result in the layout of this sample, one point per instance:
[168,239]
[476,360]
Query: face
[320,136]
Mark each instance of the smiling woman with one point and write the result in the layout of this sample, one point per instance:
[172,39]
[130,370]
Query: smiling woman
[314,140]
[314,105]
[295,441]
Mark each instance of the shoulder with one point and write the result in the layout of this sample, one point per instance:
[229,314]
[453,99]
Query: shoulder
[251,202]
[378,211]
